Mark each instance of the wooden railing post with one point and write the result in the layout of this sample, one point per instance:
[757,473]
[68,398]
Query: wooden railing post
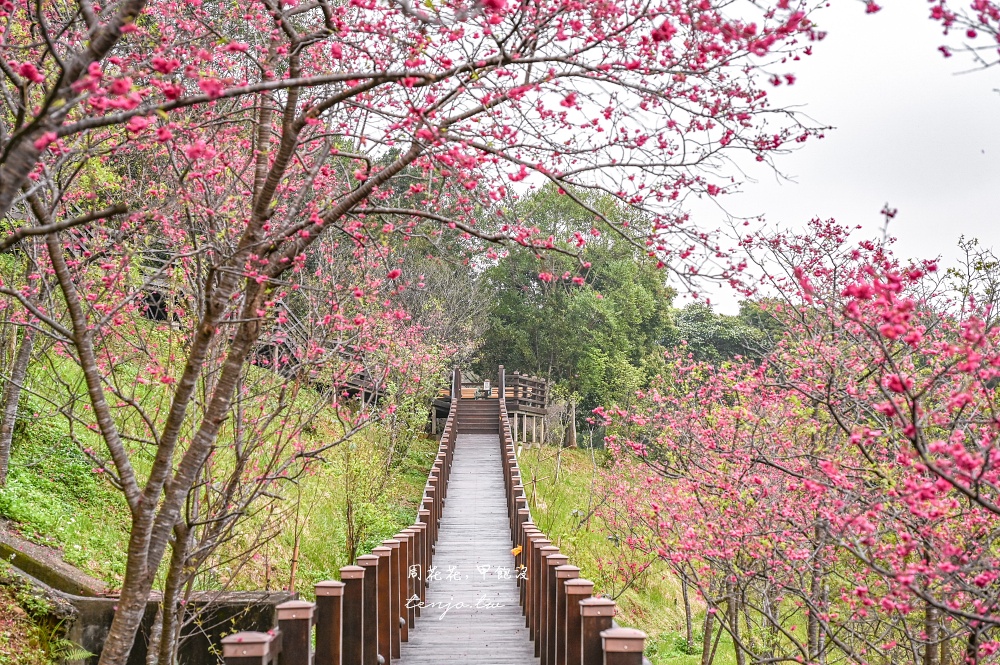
[576,590]
[542,620]
[424,517]
[534,582]
[250,648]
[563,575]
[421,555]
[329,622]
[370,629]
[402,585]
[523,517]
[295,620]
[384,585]
[623,646]
[353,578]
[394,595]
[414,575]
[552,562]
[531,533]
[596,615]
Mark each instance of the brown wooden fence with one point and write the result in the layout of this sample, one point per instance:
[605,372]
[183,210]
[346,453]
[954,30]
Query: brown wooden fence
[364,617]
[567,622]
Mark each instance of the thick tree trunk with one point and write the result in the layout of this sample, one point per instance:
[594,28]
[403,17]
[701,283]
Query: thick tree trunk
[932,650]
[688,626]
[173,612]
[11,397]
[707,650]
[733,612]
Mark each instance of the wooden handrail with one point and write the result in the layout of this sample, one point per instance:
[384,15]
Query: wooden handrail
[362,619]
[568,625]
[365,617]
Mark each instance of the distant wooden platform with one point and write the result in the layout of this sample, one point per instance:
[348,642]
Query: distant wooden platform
[473,552]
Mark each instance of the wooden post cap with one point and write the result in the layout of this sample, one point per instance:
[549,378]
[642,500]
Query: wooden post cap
[623,640]
[391,543]
[556,559]
[523,511]
[247,645]
[352,573]
[597,607]
[295,609]
[330,588]
[567,572]
[381,551]
[368,560]
[579,587]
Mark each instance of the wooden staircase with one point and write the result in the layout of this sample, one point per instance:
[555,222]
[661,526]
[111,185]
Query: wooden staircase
[479,416]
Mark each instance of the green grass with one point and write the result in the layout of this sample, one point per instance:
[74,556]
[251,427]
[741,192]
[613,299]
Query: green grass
[564,500]
[54,497]
[322,546]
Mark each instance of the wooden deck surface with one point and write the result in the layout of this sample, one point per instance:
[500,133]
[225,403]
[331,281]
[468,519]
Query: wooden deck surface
[484,624]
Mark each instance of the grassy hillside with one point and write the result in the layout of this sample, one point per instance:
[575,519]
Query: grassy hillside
[53,497]
[563,497]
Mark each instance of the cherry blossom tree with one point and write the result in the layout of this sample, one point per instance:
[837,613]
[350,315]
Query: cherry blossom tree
[837,500]
[236,170]
[977,26]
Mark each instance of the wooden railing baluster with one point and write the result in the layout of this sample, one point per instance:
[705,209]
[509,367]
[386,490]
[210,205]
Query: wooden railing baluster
[597,615]
[623,646]
[353,578]
[329,622]
[576,590]
[295,621]
[249,648]
[369,635]
[552,562]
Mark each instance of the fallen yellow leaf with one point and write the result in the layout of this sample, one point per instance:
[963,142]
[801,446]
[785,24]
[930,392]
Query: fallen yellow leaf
[516,550]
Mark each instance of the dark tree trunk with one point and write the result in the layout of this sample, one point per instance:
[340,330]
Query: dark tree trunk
[11,397]
[707,650]
[688,626]
[733,611]
[932,650]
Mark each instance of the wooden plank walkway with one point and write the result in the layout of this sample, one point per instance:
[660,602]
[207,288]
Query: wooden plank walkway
[473,614]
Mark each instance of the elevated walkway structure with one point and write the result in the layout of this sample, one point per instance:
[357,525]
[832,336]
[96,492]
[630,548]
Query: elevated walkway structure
[474,580]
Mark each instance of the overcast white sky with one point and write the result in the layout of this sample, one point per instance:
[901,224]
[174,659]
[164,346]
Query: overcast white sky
[910,130]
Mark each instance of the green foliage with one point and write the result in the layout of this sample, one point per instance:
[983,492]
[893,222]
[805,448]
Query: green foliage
[56,499]
[31,632]
[714,338]
[563,495]
[600,340]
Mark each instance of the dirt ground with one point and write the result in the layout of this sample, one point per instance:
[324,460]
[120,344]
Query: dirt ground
[20,639]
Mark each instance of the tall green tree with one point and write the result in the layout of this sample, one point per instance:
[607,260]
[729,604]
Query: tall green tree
[595,329]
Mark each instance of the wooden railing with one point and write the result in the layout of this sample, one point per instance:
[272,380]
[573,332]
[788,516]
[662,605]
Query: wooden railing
[567,622]
[524,392]
[362,618]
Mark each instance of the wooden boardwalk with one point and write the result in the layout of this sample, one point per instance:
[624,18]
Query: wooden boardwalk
[473,614]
